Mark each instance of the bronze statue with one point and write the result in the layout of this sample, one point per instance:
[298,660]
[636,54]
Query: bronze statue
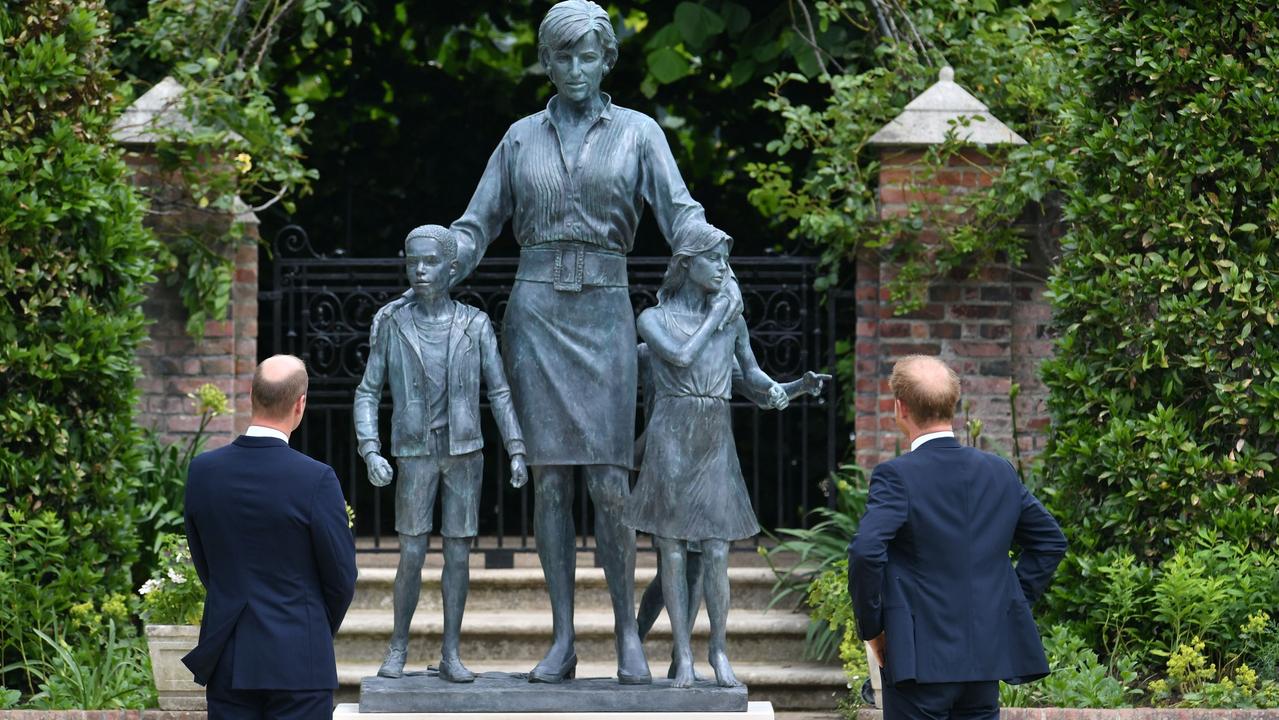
[574,179]
[433,351]
[690,489]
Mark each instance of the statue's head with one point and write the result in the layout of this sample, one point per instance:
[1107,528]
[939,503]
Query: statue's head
[577,46]
[430,259]
[702,260]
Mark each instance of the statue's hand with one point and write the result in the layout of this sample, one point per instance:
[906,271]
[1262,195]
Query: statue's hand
[777,398]
[519,471]
[380,472]
[815,382]
[733,292]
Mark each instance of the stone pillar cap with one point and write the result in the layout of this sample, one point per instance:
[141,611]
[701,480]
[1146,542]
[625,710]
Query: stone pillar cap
[159,108]
[927,119]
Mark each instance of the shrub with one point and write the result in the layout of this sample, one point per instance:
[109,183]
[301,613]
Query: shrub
[74,260]
[1164,389]
[173,595]
[100,674]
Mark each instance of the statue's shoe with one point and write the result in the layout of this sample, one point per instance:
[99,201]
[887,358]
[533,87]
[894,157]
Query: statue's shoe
[454,671]
[632,665]
[567,671]
[393,665]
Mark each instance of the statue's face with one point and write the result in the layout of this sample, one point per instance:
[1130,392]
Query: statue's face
[707,270]
[578,69]
[428,269]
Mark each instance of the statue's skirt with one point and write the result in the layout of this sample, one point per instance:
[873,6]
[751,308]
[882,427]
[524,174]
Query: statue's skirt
[690,486]
[570,360]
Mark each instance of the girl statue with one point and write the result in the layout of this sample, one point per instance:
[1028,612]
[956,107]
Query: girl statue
[690,488]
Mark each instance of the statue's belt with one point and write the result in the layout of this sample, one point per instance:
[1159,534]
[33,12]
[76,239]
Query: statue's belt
[571,266]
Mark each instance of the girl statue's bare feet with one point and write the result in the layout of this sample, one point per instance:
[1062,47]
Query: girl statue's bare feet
[682,675]
[724,676]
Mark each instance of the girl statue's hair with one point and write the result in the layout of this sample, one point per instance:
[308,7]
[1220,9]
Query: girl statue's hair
[698,240]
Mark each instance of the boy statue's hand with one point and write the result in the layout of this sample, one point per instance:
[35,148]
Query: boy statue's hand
[380,472]
[814,382]
[519,471]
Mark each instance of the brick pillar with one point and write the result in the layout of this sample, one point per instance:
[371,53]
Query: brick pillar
[990,327]
[173,364]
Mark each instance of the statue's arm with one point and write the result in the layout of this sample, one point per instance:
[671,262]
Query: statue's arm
[672,350]
[499,391]
[368,394]
[488,211]
[753,376]
[745,389]
[663,188]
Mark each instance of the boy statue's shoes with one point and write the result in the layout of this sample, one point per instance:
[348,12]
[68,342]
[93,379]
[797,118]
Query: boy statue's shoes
[455,672]
[393,665]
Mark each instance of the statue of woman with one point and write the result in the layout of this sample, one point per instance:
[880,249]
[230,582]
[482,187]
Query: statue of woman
[573,180]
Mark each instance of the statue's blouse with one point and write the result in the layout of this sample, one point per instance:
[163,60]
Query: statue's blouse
[623,163]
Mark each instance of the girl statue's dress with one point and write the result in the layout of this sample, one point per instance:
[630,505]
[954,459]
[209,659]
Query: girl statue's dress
[690,485]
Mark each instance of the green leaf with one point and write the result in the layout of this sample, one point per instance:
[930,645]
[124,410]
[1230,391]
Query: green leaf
[667,65]
[697,23]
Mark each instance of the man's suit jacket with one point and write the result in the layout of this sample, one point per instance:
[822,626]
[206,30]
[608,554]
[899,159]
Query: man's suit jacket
[268,532]
[394,356]
[930,567]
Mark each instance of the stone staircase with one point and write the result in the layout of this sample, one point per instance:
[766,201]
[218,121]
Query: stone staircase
[507,627]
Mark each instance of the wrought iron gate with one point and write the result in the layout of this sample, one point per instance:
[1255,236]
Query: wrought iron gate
[320,308]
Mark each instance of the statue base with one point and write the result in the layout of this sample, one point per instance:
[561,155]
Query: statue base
[498,695]
[754,711]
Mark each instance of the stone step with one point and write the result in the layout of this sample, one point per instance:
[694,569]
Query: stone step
[753,636]
[793,686]
[524,589]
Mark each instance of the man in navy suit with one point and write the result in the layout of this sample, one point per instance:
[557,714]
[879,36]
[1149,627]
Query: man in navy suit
[934,591]
[268,532]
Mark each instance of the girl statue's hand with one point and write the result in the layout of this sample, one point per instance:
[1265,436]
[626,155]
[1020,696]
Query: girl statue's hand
[777,398]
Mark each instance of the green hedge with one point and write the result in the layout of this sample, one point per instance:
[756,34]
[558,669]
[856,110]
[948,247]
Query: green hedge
[1164,389]
[74,260]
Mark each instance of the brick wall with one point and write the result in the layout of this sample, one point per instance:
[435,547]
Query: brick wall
[173,364]
[990,328]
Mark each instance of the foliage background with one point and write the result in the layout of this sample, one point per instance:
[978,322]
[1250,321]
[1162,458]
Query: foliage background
[74,262]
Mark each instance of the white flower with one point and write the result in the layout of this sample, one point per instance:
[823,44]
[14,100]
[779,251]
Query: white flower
[148,587]
[176,577]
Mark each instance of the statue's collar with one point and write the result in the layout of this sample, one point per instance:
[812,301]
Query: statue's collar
[606,111]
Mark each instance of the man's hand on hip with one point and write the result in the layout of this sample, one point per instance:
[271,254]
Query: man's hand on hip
[878,648]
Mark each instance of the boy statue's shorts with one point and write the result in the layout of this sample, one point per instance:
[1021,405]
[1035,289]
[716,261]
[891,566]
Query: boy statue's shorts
[418,480]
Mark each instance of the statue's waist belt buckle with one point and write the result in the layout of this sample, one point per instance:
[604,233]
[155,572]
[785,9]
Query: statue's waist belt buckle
[570,267]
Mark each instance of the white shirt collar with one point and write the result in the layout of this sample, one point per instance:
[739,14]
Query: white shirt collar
[931,436]
[259,431]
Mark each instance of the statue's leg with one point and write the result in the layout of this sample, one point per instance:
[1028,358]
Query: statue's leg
[454,585]
[675,594]
[650,607]
[553,531]
[608,485]
[715,580]
[693,574]
[408,585]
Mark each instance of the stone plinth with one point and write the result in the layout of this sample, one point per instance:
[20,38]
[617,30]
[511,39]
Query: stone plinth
[503,694]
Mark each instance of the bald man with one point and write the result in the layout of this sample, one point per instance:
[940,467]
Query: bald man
[268,533]
[946,613]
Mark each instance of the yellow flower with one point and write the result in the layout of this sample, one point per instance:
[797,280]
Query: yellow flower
[209,399]
[244,162]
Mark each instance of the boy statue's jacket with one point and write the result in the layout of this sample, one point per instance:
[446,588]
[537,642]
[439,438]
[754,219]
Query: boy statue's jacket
[394,357]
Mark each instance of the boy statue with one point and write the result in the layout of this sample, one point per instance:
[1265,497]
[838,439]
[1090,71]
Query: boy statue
[433,350]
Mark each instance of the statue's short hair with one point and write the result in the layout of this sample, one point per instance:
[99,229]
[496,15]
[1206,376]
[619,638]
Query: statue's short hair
[566,22]
[439,233]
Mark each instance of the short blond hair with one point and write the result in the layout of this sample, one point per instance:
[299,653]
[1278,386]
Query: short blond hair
[928,399]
